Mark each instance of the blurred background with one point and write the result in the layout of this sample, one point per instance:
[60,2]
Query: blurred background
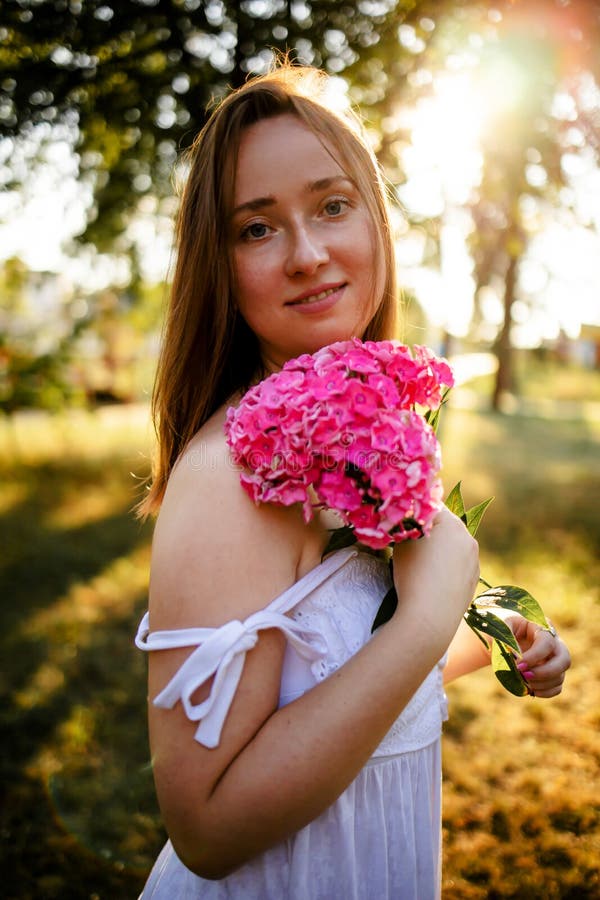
[486,117]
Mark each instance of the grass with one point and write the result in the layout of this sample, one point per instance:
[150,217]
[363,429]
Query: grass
[521,810]
[79,818]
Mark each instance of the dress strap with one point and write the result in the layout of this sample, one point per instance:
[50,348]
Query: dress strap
[222,651]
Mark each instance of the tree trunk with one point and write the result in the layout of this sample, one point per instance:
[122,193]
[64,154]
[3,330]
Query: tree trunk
[503,346]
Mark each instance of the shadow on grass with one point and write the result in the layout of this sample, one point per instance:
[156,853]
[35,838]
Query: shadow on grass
[79,817]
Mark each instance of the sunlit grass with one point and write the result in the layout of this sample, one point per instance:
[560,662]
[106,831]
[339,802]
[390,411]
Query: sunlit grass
[521,811]
[80,818]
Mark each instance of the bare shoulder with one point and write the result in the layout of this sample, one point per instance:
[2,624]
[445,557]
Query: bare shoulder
[216,555]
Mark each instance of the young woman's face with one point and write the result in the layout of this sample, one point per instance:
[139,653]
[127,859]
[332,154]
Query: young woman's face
[304,257]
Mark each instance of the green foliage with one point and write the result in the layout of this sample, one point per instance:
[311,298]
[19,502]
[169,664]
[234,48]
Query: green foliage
[131,82]
[340,538]
[505,670]
[34,362]
[432,416]
[488,624]
[475,515]
[41,381]
[135,78]
[30,379]
[471,517]
[517,599]
[386,609]
[58,348]
[482,621]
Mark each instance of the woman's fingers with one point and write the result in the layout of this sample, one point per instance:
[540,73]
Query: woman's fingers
[542,646]
[545,687]
[544,664]
[545,680]
[545,657]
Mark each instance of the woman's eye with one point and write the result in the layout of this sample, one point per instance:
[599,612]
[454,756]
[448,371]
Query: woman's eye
[336,206]
[254,231]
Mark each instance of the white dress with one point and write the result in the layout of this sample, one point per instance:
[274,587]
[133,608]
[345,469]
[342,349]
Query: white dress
[380,840]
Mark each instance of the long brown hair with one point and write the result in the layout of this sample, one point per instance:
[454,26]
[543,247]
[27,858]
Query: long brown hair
[208,352]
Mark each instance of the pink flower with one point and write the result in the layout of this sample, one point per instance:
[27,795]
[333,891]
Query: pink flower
[326,431]
[344,421]
[361,398]
[387,430]
[322,386]
[360,360]
[389,481]
[386,388]
[338,491]
[365,517]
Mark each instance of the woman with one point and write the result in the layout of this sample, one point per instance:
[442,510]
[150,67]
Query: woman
[294,755]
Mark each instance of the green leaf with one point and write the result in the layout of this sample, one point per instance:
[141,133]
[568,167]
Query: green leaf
[454,502]
[432,416]
[506,671]
[386,609]
[517,599]
[340,538]
[472,517]
[475,515]
[485,643]
[490,625]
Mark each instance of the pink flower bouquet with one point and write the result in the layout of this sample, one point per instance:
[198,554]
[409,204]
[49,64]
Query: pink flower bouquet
[340,429]
[352,428]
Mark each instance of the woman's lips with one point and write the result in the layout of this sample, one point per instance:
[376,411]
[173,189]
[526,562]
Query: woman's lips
[319,300]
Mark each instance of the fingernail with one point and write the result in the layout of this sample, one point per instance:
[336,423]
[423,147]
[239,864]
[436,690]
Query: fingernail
[521,666]
[527,674]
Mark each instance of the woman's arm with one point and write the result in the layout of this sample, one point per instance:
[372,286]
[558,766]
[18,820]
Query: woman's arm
[466,653]
[277,769]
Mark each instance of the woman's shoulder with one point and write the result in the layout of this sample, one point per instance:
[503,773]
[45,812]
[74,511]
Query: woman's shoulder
[204,485]
[205,464]
[213,542]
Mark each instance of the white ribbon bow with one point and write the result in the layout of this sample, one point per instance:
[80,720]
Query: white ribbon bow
[222,653]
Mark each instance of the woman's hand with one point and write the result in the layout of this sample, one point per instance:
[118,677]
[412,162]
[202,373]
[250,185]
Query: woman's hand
[545,658]
[438,573]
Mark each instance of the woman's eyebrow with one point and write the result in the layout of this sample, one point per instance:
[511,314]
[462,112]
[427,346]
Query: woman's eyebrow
[324,183]
[321,184]
[253,205]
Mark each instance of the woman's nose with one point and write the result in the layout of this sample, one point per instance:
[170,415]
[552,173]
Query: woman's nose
[306,251]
